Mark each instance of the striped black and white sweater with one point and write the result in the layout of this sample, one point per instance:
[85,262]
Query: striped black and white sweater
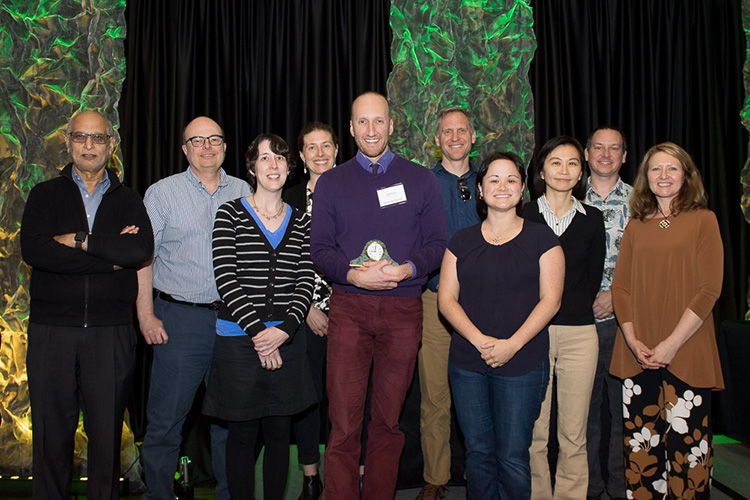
[256,282]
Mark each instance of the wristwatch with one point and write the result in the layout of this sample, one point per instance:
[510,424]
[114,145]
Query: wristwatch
[80,237]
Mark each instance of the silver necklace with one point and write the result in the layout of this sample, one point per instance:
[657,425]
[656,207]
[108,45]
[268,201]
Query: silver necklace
[497,239]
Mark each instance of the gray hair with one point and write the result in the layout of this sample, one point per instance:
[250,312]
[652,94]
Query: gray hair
[110,128]
[452,109]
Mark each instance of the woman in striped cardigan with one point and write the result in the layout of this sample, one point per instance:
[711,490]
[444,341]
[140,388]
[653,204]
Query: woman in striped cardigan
[259,375]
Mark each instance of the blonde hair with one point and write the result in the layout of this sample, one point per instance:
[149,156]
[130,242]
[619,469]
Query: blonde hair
[692,194]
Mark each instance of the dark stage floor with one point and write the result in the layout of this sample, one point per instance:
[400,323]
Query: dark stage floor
[731,478]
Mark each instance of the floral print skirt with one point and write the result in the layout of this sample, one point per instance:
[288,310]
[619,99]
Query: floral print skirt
[668,440]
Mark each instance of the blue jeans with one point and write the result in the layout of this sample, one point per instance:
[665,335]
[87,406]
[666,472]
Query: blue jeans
[178,369]
[496,415]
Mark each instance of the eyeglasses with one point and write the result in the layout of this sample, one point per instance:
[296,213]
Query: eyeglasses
[81,137]
[463,189]
[197,141]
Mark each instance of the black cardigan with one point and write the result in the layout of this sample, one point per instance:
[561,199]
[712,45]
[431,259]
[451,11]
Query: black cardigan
[583,243]
[259,283]
[71,287]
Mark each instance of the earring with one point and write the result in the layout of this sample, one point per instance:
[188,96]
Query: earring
[480,196]
[305,168]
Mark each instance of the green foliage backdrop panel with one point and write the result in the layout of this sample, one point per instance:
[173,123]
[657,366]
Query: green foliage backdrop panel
[745,115]
[470,53]
[56,57]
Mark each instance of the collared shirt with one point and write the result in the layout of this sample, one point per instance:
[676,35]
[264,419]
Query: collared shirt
[91,201]
[458,213]
[616,213]
[558,225]
[384,161]
[182,214]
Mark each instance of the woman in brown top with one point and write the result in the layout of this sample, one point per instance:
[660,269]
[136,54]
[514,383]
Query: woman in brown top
[667,279]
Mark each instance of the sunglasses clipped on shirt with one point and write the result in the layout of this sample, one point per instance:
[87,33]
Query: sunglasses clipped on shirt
[463,189]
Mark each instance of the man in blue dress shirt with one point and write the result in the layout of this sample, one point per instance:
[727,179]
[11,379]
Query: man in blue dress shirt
[178,301]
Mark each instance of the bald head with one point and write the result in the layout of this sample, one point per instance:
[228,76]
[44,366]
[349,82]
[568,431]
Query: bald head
[90,142]
[200,122]
[206,158]
[369,99]
[90,114]
[371,124]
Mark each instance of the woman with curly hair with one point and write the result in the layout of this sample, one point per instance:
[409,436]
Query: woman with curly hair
[667,279]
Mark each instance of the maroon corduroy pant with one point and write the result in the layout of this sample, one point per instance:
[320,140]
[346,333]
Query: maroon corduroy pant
[364,331]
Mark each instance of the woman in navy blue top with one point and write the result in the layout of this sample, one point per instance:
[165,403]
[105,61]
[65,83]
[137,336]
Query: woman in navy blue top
[500,284]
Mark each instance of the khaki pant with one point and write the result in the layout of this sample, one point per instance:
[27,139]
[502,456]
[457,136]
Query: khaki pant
[435,407]
[573,353]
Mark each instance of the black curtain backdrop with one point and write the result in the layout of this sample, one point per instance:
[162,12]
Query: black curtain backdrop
[254,67]
[662,70]
[659,69]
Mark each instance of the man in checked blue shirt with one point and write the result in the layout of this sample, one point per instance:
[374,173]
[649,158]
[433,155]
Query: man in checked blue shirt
[606,152]
[455,134]
[178,302]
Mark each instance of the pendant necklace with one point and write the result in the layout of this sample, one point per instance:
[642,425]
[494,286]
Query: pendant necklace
[665,223]
[497,239]
[267,217]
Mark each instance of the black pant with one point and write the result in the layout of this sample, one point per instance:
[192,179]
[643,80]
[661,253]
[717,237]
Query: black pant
[307,423]
[73,369]
[241,457]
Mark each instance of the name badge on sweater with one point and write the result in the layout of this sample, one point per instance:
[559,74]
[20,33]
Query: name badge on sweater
[393,195]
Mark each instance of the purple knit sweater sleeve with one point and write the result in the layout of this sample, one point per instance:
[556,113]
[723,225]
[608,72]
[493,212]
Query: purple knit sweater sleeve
[347,214]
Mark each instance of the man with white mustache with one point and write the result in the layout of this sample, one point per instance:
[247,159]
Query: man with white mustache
[178,302]
[378,230]
[606,152]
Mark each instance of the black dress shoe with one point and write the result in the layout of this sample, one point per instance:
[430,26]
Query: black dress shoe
[312,488]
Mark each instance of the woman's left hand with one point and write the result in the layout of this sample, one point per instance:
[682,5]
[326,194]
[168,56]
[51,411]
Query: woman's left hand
[317,321]
[664,352]
[271,362]
[497,352]
[269,340]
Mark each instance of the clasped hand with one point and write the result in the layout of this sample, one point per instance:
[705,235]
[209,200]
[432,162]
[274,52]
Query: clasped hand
[267,345]
[496,352]
[656,358]
[380,275]
[269,340]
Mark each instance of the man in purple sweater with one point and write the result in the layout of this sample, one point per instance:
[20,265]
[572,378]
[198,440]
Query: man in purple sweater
[378,229]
